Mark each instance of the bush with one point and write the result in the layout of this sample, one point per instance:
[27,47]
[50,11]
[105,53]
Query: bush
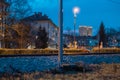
[39,51]
[106,50]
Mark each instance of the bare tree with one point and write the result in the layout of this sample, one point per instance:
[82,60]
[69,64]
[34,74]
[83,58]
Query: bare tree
[3,16]
[19,9]
[23,31]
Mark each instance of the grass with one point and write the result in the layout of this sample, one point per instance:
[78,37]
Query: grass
[105,50]
[100,72]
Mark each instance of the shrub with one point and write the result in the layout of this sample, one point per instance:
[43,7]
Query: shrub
[106,50]
[39,51]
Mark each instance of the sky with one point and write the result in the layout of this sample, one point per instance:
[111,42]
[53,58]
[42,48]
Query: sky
[92,12]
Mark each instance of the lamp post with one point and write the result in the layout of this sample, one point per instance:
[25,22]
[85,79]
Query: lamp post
[75,12]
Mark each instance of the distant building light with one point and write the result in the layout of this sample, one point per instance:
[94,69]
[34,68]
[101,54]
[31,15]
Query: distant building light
[85,30]
[36,37]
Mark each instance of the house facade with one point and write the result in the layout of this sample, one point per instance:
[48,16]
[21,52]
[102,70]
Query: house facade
[38,20]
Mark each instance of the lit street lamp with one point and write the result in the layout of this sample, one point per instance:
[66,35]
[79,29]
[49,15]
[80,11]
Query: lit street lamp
[76,10]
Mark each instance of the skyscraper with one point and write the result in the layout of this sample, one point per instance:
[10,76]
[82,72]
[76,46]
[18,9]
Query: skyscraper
[85,30]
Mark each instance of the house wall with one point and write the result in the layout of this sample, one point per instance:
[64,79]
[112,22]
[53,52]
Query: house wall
[51,29]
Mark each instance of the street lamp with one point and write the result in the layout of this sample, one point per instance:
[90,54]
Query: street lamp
[76,10]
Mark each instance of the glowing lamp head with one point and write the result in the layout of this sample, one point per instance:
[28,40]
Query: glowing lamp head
[76,10]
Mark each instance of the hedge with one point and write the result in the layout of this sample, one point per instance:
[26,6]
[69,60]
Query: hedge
[39,51]
[105,50]
[55,51]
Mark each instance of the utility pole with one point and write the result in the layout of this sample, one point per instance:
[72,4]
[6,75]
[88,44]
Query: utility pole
[60,54]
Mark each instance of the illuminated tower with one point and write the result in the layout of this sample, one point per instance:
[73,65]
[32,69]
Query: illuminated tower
[85,30]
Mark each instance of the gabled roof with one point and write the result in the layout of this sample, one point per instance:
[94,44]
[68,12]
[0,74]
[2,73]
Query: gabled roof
[38,17]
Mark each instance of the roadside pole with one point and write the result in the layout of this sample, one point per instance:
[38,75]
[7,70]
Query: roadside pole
[60,54]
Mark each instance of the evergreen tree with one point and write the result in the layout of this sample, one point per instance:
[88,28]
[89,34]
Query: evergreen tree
[102,35]
[41,39]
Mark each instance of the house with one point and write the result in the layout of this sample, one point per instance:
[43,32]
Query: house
[38,20]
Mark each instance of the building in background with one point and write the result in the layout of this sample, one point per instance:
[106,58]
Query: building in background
[85,30]
[38,20]
[84,39]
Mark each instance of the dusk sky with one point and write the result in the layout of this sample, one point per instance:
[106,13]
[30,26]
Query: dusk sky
[92,12]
